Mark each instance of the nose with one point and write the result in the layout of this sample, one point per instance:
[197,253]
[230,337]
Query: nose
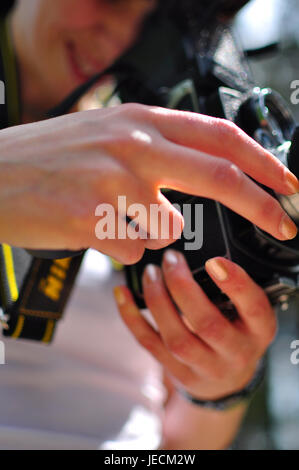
[118,35]
[124,20]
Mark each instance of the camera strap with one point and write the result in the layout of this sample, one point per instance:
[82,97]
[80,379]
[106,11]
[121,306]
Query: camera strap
[34,292]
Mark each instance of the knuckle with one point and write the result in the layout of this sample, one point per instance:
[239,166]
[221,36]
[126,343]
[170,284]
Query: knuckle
[261,305]
[132,142]
[211,328]
[121,142]
[227,131]
[148,342]
[267,207]
[141,141]
[134,110]
[180,346]
[227,176]
[124,141]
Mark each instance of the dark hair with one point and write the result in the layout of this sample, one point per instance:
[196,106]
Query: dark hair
[202,12]
[5,6]
[224,7]
[229,7]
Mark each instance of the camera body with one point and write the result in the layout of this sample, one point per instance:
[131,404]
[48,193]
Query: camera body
[202,69]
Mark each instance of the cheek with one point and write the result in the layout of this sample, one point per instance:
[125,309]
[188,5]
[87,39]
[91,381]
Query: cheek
[72,15]
[58,19]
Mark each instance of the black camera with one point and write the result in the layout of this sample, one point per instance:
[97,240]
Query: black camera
[191,61]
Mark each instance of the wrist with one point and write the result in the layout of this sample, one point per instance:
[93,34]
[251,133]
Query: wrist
[231,400]
[183,425]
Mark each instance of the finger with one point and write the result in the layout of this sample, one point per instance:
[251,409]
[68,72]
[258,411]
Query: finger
[155,215]
[146,336]
[204,317]
[171,225]
[114,237]
[178,338]
[163,222]
[196,173]
[252,303]
[222,138]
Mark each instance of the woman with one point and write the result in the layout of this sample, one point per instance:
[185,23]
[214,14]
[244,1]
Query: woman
[55,172]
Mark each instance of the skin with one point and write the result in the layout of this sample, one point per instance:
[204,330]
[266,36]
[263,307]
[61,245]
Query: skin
[200,350]
[60,44]
[54,173]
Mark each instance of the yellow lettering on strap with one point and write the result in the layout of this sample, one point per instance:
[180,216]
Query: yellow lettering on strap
[49,331]
[10,272]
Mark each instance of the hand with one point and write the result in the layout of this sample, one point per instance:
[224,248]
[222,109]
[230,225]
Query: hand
[202,351]
[54,173]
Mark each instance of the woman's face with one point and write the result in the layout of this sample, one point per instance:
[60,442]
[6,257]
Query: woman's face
[62,43]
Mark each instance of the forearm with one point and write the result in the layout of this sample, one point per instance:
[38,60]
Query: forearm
[187,426]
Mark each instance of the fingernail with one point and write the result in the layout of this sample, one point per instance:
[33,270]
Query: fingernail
[171,259]
[292,181]
[119,296]
[217,269]
[287,228]
[152,273]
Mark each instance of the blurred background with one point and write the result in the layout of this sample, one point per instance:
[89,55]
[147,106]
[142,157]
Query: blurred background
[273,418]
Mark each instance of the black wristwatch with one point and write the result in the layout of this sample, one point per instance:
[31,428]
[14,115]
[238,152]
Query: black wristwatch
[230,401]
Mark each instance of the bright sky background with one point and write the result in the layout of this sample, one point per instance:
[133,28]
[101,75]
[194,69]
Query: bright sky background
[258,22]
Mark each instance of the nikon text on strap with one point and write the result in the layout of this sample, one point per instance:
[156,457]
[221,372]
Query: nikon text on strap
[35,292]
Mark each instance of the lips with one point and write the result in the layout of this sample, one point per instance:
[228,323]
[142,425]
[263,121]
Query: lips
[82,66]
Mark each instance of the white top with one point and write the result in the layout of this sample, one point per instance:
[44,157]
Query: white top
[94,387]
